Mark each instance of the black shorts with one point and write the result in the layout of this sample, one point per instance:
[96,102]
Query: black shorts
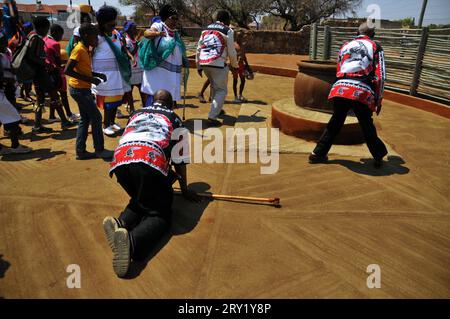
[44,82]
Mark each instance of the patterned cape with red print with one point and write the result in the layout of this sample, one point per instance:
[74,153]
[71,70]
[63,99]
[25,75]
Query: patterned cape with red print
[148,139]
[361,72]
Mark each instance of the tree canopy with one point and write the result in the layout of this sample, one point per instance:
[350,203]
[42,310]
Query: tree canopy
[295,13]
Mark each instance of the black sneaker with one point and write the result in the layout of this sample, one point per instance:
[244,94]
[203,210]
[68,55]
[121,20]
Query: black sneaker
[67,125]
[83,156]
[105,154]
[316,159]
[42,129]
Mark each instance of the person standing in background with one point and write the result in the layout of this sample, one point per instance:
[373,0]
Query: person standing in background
[242,72]
[43,82]
[79,69]
[10,18]
[53,53]
[163,56]
[359,87]
[110,58]
[9,116]
[215,47]
[130,33]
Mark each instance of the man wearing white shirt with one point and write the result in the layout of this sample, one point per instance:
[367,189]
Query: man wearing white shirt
[215,47]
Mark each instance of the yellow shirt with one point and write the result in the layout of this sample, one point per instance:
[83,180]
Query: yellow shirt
[81,54]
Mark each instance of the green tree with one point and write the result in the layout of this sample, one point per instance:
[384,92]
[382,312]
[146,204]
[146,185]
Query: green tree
[199,12]
[243,12]
[407,22]
[298,13]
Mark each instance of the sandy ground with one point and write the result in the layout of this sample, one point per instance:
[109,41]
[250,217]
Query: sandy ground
[336,219]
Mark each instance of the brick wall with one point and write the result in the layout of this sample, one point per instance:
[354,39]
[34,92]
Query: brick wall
[269,42]
[277,42]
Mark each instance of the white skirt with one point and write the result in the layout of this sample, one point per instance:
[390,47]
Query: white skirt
[167,76]
[115,85]
[162,79]
[8,114]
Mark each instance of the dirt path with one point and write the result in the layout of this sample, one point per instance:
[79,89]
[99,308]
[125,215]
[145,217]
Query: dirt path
[336,220]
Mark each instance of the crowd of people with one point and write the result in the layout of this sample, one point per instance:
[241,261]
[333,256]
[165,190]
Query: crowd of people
[100,68]
[103,66]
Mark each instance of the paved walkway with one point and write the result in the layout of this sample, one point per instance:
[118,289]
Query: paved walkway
[336,220]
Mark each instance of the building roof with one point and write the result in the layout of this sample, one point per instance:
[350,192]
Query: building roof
[43,8]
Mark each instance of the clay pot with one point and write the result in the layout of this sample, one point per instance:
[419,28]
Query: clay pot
[313,84]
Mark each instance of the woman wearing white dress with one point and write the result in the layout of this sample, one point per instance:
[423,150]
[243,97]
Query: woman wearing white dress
[162,56]
[110,57]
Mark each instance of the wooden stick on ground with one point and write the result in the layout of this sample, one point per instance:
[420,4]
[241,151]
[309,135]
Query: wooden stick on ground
[272,201]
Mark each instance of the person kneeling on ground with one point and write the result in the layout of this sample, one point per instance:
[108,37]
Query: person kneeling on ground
[142,167]
[79,70]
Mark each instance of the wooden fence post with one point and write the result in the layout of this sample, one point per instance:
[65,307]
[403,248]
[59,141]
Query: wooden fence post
[313,55]
[419,61]
[326,43]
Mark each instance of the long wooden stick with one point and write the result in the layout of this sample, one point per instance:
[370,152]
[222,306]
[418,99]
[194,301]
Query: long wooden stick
[273,201]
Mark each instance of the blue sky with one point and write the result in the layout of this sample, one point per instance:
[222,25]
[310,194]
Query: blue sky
[438,11]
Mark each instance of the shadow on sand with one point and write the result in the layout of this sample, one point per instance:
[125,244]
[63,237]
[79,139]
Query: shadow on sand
[4,266]
[393,166]
[190,124]
[187,106]
[65,135]
[228,120]
[39,155]
[257,102]
[254,118]
[186,216]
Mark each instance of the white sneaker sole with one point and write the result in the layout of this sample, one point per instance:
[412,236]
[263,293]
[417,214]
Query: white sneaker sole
[110,227]
[121,260]
[109,133]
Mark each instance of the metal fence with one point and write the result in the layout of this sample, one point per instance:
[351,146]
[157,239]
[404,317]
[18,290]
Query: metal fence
[417,60]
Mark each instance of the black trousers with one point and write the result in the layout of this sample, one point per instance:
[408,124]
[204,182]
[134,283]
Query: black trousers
[148,214]
[364,115]
[10,94]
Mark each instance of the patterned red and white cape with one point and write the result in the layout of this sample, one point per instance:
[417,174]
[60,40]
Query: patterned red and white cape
[361,72]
